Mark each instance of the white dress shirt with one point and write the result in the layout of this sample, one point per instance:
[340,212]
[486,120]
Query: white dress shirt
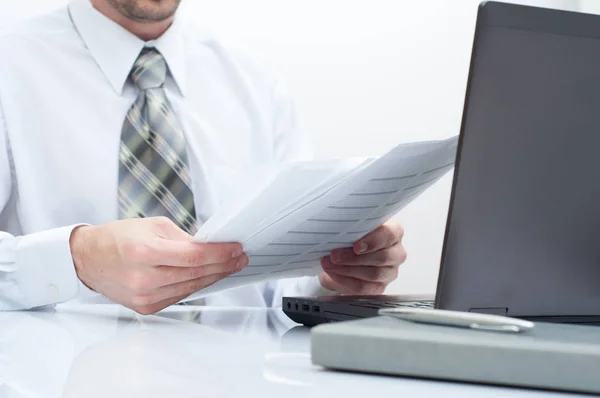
[64,94]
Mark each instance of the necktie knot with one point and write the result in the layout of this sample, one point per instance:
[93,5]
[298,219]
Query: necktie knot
[149,70]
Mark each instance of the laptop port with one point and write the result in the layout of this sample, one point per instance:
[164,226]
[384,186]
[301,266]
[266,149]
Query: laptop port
[316,308]
[305,307]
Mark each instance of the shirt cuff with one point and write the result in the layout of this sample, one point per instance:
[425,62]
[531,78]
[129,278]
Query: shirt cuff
[46,273]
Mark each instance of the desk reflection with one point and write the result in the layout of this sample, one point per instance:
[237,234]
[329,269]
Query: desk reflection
[108,351]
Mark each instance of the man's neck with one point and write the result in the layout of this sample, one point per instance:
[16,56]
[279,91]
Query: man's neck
[145,31]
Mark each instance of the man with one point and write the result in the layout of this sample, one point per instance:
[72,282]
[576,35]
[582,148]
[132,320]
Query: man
[118,110]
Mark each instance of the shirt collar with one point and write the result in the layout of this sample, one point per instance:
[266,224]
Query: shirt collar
[115,49]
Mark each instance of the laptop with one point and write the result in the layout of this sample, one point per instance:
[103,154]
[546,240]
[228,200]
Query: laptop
[522,235]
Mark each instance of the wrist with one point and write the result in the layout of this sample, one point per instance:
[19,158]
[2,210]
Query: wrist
[77,246]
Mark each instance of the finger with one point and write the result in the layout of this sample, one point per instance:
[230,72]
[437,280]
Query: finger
[349,285]
[392,256]
[177,290]
[383,237]
[166,275]
[368,274]
[156,307]
[123,296]
[145,280]
[190,254]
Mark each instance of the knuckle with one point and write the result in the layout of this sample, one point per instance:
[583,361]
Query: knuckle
[192,259]
[379,274]
[379,288]
[343,271]
[144,310]
[197,257]
[231,265]
[162,221]
[197,272]
[399,231]
[384,257]
[391,238]
[403,255]
[237,264]
[225,255]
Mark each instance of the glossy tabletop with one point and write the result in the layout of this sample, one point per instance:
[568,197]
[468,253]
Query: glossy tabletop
[110,352]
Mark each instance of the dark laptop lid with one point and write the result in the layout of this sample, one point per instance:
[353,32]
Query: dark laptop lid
[523,233]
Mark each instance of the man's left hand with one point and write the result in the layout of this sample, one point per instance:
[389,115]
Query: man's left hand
[369,266]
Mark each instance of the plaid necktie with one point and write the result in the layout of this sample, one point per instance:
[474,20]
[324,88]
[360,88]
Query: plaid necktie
[154,178]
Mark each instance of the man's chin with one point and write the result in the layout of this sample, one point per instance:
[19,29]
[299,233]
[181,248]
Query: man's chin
[146,11]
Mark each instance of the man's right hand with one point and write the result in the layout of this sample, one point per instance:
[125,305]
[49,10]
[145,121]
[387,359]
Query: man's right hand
[148,264]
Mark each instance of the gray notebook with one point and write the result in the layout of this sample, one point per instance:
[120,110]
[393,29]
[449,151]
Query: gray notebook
[551,356]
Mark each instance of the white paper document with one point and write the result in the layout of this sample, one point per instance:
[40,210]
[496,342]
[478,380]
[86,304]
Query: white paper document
[296,216]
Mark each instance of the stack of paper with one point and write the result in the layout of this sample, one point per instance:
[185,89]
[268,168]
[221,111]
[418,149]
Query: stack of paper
[299,214]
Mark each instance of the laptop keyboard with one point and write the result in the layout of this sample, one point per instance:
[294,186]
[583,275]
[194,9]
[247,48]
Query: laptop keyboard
[398,304]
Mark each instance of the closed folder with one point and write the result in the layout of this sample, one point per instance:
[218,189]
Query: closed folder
[550,356]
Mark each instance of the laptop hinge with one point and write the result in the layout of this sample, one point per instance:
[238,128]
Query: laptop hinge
[491,311]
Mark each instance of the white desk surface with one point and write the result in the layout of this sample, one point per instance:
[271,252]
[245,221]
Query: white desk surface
[107,351]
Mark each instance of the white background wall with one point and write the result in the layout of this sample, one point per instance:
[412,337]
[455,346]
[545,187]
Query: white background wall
[366,75]
[590,6]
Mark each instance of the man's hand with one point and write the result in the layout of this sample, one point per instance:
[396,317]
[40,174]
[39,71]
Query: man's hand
[369,266]
[149,264]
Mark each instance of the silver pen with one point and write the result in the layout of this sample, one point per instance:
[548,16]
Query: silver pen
[472,320]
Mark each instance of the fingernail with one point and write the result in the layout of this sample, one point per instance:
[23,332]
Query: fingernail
[362,247]
[242,262]
[236,253]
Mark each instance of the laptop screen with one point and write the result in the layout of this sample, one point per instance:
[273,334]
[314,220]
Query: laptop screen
[523,233]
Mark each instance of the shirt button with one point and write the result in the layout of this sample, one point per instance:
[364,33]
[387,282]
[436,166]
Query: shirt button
[53,290]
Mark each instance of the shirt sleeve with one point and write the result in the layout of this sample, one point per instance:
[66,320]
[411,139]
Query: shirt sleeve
[35,270]
[291,144]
